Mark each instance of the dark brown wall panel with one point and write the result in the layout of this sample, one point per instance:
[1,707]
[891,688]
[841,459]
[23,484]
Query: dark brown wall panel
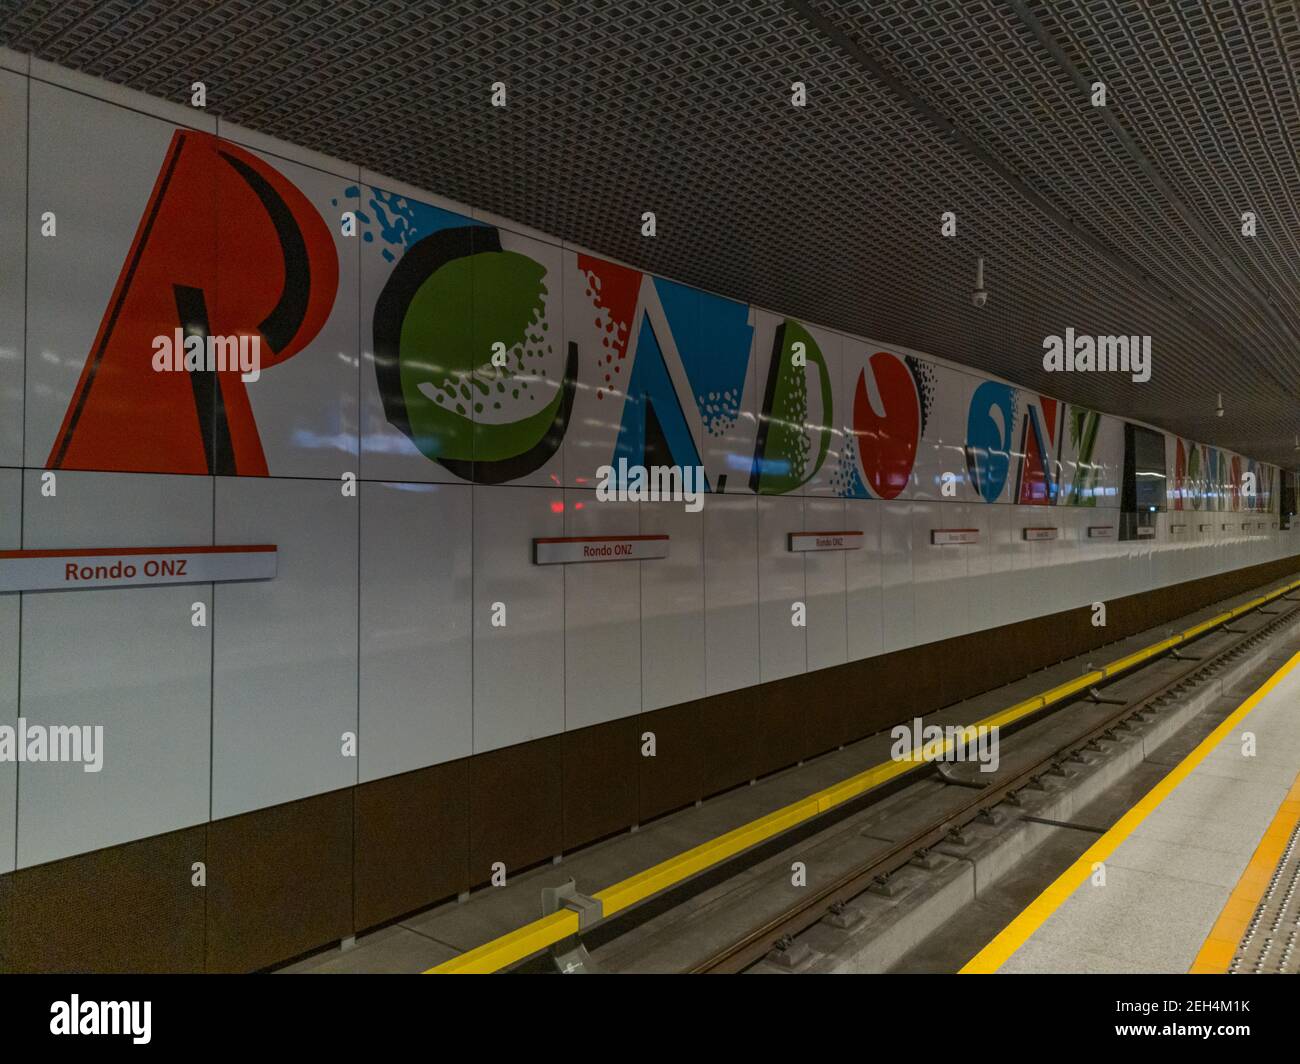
[515,806]
[601,764]
[674,777]
[727,740]
[128,908]
[6,922]
[412,841]
[780,724]
[279,882]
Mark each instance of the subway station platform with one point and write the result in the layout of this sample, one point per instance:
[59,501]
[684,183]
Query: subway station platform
[1199,876]
[715,912]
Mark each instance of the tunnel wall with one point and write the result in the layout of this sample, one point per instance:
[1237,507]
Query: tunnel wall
[356,737]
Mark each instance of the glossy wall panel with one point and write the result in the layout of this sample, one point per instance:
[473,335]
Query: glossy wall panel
[416,650]
[825,583]
[862,575]
[672,608]
[602,617]
[404,365]
[731,619]
[110,325]
[518,661]
[783,644]
[10,533]
[284,675]
[14,224]
[128,660]
[305,405]
[897,596]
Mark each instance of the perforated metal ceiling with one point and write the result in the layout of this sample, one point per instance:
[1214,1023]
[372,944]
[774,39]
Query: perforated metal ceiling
[1124,222]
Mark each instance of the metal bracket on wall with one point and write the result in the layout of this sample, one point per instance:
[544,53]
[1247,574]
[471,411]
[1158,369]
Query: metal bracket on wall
[569,955]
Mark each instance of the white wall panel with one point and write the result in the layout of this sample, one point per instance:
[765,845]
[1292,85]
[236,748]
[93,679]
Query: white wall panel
[602,316]
[1003,587]
[519,668]
[602,616]
[731,592]
[783,647]
[938,572]
[400,216]
[672,608]
[897,601]
[825,583]
[531,327]
[14,223]
[416,699]
[305,406]
[284,678]
[862,574]
[11,487]
[127,659]
[980,591]
[97,219]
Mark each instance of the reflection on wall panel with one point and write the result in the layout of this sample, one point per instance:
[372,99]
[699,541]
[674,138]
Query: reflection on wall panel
[127,660]
[797,369]
[825,584]
[10,488]
[672,608]
[518,617]
[303,407]
[406,360]
[284,677]
[13,252]
[862,574]
[602,617]
[416,699]
[897,598]
[783,645]
[730,592]
[93,401]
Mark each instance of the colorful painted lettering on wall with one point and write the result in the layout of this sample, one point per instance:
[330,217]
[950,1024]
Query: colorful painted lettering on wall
[494,357]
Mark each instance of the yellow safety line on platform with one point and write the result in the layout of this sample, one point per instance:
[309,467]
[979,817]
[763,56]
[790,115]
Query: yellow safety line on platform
[1022,928]
[527,940]
[1221,945]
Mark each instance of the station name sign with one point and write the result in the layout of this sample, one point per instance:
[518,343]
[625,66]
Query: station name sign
[1040,533]
[951,537]
[1101,531]
[806,541]
[92,568]
[565,550]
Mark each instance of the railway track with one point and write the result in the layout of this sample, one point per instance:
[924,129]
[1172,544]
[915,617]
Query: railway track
[778,933]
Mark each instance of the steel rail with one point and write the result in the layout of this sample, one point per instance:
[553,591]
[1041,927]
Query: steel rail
[779,930]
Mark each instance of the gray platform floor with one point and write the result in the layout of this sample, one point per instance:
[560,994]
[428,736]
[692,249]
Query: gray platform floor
[1167,882]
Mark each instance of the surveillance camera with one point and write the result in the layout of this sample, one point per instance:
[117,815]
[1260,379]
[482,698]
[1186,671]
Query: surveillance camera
[979,297]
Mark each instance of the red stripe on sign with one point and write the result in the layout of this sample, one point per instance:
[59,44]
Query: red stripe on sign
[954,530]
[825,533]
[117,552]
[595,539]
